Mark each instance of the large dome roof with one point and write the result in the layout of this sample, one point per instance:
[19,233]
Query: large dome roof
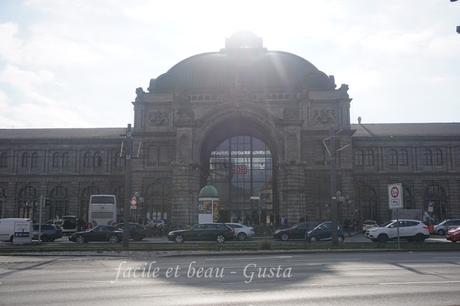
[243,63]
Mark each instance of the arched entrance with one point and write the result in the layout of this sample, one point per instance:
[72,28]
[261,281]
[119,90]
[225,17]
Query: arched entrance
[366,198]
[27,202]
[436,202]
[241,169]
[58,202]
[239,157]
[157,204]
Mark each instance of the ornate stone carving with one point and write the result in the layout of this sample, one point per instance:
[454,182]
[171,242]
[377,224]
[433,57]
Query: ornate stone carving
[324,117]
[159,118]
[140,93]
[184,116]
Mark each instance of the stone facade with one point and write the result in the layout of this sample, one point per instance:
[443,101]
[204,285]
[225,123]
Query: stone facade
[243,89]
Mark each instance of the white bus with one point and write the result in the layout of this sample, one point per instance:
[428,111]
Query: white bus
[102,209]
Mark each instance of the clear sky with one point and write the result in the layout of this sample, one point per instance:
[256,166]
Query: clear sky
[77,63]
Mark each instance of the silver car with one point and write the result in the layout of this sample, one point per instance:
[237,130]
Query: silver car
[242,232]
[444,226]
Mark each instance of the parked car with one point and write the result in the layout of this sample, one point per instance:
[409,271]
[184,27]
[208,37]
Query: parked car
[453,234]
[50,232]
[297,231]
[368,224]
[98,233]
[242,232]
[136,231]
[324,232]
[444,226]
[412,230]
[206,231]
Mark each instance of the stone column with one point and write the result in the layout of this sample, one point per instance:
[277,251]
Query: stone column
[291,186]
[185,189]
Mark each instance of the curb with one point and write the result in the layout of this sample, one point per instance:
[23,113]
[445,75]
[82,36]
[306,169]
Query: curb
[216,253]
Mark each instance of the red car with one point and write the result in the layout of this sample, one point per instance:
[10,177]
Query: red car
[454,234]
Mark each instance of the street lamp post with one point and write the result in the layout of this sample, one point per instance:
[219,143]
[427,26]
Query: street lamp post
[126,153]
[333,187]
[334,193]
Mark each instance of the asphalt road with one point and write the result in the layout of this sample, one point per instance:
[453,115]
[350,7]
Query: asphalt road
[424,278]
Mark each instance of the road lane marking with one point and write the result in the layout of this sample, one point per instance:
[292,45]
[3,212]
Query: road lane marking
[421,283]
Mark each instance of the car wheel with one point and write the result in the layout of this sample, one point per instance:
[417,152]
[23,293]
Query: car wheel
[44,238]
[284,237]
[80,240]
[11,238]
[179,239]
[242,236]
[340,239]
[220,239]
[313,239]
[114,239]
[382,238]
[419,237]
[441,232]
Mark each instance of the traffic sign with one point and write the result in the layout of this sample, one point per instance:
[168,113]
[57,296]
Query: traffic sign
[395,196]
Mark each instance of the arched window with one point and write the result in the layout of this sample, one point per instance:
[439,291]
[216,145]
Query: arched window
[408,199]
[65,160]
[403,157]
[359,158]
[25,160]
[59,201]
[3,160]
[369,158]
[97,160]
[152,156]
[439,157]
[116,159]
[393,157]
[428,157]
[34,160]
[56,160]
[87,160]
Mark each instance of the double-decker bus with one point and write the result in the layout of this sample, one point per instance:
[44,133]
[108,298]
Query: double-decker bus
[102,209]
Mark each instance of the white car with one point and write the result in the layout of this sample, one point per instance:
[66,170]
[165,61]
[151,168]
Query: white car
[242,232]
[408,229]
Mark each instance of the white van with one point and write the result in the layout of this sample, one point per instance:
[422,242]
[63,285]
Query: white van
[7,227]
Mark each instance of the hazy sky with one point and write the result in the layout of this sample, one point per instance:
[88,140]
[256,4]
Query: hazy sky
[78,63]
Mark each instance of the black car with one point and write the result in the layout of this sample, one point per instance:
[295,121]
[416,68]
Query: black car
[136,231]
[324,232]
[50,232]
[297,231]
[99,233]
[201,232]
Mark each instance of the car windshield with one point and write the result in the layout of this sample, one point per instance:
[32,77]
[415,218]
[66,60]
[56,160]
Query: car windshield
[388,223]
